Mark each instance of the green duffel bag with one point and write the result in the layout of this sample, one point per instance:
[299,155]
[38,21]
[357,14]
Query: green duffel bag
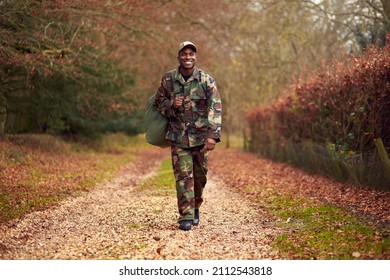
[156,125]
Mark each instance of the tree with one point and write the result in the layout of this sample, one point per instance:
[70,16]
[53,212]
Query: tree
[98,61]
[54,77]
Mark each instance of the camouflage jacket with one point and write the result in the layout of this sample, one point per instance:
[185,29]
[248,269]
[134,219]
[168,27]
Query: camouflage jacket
[199,117]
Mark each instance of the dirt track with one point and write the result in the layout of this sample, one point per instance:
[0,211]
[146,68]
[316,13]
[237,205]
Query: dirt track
[116,222]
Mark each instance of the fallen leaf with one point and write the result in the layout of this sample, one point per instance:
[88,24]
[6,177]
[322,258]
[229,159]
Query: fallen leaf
[356,254]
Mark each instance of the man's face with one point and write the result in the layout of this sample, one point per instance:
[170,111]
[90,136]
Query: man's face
[187,58]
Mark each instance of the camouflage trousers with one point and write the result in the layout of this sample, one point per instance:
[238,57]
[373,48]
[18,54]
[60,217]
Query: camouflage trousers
[190,170]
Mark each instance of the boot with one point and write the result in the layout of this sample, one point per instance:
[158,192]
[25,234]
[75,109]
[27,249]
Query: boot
[196,218]
[185,225]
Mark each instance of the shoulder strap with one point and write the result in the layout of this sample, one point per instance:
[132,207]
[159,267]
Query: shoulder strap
[169,81]
[204,84]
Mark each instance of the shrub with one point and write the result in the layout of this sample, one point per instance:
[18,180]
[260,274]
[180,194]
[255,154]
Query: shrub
[345,106]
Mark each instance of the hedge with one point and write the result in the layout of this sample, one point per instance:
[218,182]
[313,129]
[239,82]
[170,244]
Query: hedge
[337,122]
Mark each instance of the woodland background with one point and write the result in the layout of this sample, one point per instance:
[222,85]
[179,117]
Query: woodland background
[86,68]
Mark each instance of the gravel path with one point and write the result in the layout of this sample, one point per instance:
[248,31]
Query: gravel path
[115,221]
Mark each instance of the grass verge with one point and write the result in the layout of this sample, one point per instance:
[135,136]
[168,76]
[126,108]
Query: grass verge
[39,170]
[314,230]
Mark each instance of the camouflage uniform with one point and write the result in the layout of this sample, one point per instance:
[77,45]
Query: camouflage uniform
[190,125]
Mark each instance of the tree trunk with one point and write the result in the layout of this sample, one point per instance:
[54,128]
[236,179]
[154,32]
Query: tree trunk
[386,9]
[9,124]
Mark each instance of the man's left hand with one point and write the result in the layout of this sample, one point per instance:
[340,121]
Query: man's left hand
[210,144]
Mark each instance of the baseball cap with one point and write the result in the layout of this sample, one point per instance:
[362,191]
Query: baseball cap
[187,44]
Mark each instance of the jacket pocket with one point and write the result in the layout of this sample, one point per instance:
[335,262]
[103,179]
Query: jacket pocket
[199,105]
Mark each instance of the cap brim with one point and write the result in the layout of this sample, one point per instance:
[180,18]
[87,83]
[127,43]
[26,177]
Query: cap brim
[188,45]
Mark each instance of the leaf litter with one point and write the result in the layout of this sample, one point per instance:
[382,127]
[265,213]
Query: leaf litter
[116,220]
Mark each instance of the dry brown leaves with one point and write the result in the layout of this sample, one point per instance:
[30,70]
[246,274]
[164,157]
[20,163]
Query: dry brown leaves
[242,170]
[116,220]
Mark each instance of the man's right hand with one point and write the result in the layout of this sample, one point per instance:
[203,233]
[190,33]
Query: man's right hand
[178,102]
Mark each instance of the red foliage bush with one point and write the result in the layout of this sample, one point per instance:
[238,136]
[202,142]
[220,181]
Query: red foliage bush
[345,104]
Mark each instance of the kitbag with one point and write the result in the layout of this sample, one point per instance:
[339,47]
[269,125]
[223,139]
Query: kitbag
[156,125]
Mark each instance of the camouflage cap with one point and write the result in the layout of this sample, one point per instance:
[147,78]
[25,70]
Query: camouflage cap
[187,44]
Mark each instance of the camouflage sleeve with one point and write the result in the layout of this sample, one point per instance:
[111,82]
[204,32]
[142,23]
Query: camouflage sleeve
[215,111]
[163,101]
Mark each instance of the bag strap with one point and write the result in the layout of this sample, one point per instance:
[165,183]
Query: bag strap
[171,85]
[204,84]
[169,80]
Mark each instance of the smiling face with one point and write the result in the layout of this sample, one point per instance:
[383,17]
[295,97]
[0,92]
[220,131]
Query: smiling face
[187,60]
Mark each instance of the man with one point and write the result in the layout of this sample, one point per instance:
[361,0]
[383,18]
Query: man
[189,98]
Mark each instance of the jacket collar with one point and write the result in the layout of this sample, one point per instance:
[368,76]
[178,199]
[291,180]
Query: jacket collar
[179,77]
